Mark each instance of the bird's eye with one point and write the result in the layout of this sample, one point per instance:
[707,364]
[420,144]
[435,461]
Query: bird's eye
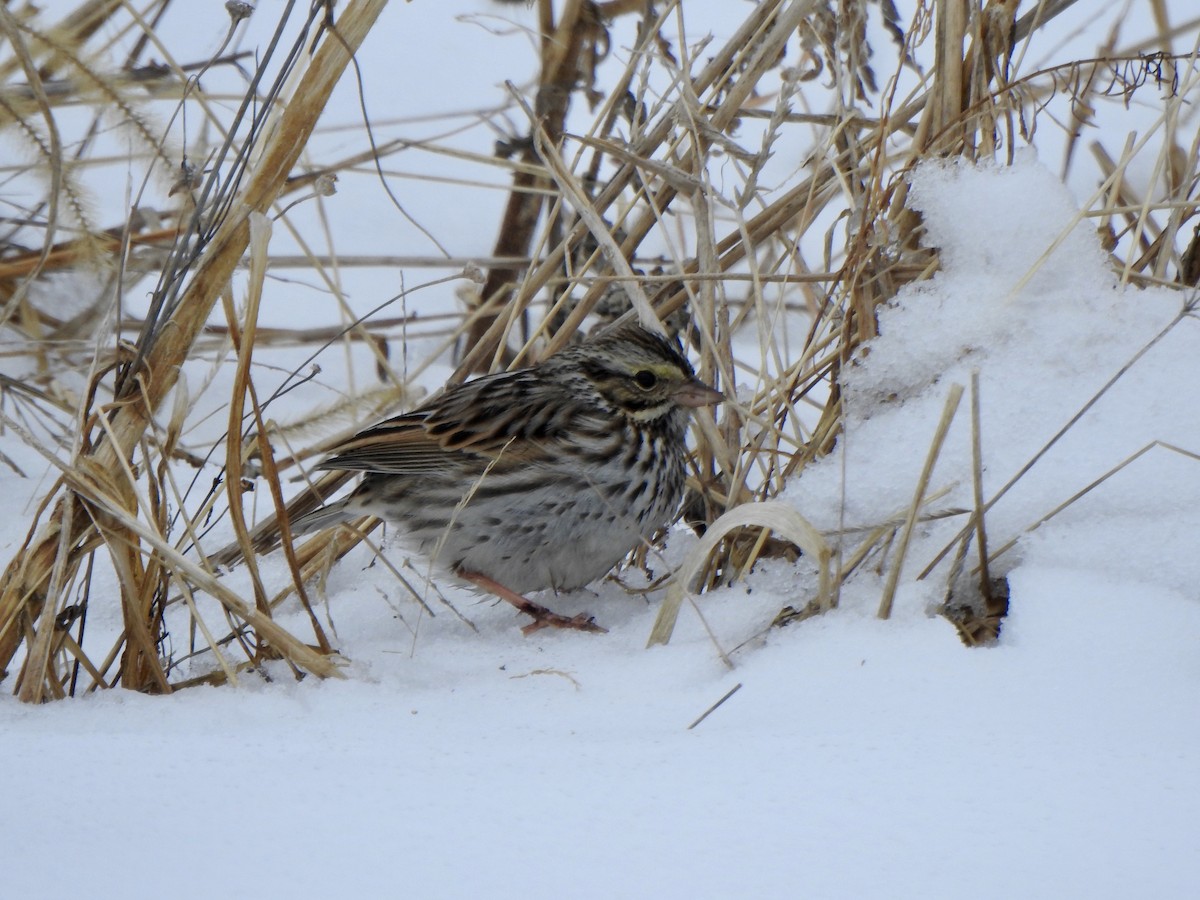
[645,379]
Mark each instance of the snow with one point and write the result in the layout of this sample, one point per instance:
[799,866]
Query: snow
[859,758]
[1045,333]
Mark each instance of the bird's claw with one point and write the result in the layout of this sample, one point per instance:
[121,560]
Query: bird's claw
[544,618]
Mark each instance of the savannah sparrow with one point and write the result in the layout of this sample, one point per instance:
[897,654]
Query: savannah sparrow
[537,478]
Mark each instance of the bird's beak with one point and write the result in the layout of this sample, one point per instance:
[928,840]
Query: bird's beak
[696,394]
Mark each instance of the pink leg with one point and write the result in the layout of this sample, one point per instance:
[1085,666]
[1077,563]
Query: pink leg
[542,617]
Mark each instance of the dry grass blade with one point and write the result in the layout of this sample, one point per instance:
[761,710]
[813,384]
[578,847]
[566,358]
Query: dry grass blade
[977,490]
[931,458]
[776,516]
[243,342]
[1091,486]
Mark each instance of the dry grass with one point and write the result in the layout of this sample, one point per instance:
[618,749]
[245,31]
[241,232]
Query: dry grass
[691,181]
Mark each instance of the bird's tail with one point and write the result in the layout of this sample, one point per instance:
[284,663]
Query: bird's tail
[305,514]
[325,517]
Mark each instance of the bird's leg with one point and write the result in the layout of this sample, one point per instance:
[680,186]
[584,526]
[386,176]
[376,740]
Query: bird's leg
[542,617]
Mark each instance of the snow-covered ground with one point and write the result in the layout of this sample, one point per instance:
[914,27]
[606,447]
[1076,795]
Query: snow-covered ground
[859,758]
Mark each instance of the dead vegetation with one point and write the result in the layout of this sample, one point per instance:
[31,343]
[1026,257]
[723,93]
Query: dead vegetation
[770,166]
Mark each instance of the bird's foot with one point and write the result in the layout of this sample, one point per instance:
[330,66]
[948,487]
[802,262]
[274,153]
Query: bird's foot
[542,617]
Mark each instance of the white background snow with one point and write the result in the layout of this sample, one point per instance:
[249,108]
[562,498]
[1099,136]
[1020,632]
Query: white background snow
[860,758]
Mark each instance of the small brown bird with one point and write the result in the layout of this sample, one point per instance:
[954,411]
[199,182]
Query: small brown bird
[543,477]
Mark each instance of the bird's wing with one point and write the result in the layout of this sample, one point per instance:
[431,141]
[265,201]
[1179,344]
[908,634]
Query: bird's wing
[399,445]
[504,416]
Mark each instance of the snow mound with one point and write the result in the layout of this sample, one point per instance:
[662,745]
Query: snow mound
[1026,298]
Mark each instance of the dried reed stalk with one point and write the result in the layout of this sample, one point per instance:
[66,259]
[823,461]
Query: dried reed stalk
[26,587]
